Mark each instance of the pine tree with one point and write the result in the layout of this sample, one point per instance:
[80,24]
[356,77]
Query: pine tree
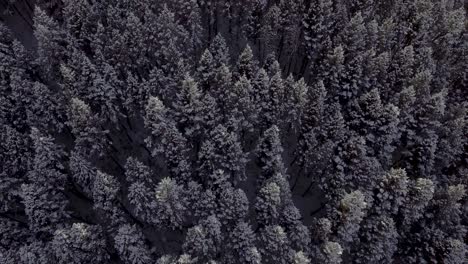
[318,28]
[420,194]
[82,171]
[212,105]
[141,197]
[378,123]
[170,52]
[246,64]
[182,259]
[269,154]
[135,95]
[166,139]
[220,51]
[129,244]
[354,167]
[321,228]
[80,243]
[391,193]
[204,239]
[206,71]
[352,210]
[296,96]
[222,151]
[449,210]
[273,102]
[242,240]
[298,233]
[275,245]
[456,251]
[187,108]
[330,252]
[170,204]
[379,239]
[291,28]
[210,114]
[16,156]
[79,18]
[300,258]
[260,90]
[13,240]
[15,81]
[136,171]
[90,137]
[194,28]
[221,88]
[206,205]
[105,92]
[270,30]
[233,205]
[34,252]
[253,18]
[52,42]
[105,188]
[241,107]
[46,110]
[42,195]
[268,204]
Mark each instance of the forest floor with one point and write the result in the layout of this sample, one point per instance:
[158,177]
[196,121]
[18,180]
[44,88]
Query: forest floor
[19,20]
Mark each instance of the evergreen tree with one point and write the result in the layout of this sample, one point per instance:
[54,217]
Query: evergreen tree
[105,188]
[275,245]
[351,212]
[269,154]
[187,108]
[268,204]
[82,171]
[220,51]
[242,240]
[80,243]
[130,246]
[273,103]
[318,28]
[391,193]
[46,110]
[206,71]
[35,252]
[204,239]
[381,238]
[90,137]
[296,101]
[233,205]
[421,191]
[270,30]
[166,139]
[170,51]
[300,258]
[16,155]
[246,64]
[260,93]
[242,110]
[142,131]
[43,197]
[330,253]
[222,151]
[170,204]
[52,42]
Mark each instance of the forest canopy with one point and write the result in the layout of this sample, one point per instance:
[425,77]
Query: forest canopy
[250,131]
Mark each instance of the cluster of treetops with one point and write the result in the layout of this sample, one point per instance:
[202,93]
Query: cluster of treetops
[251,131]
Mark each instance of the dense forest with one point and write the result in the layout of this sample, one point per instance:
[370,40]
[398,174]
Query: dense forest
[249,131]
